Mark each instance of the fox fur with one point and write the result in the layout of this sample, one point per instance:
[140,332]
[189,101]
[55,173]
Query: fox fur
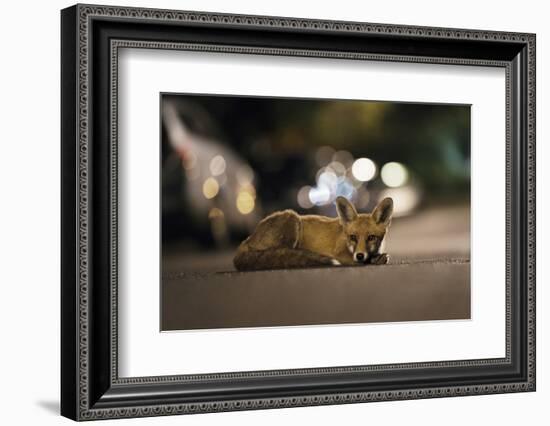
[286,239]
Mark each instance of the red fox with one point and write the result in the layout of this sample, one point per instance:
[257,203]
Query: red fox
[286,239]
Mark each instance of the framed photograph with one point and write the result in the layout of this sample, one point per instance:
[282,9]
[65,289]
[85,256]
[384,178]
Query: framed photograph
[263,212]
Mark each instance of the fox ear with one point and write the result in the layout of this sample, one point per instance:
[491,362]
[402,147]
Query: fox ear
[345,209]
[383,211]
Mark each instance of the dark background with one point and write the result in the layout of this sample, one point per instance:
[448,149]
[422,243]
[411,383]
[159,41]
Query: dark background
[273,147]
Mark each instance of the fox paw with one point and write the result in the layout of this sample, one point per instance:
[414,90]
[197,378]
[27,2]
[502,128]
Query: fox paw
[381,259]
[335,262]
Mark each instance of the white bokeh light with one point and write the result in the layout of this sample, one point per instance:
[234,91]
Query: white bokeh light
[328,179]
[338,168]
[319,195]
[394,174]
[217,165]
[303,197]
[405,199]
[363,169]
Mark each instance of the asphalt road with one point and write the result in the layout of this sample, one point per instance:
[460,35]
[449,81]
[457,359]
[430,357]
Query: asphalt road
[428,278]
[416,291]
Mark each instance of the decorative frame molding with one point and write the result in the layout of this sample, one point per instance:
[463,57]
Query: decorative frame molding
[91,388]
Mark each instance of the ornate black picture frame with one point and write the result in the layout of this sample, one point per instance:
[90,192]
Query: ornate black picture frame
[91,36]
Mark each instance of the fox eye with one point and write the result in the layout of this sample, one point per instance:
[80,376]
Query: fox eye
[371,238]
[353,238]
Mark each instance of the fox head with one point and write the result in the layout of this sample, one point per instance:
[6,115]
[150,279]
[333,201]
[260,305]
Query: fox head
[364,232]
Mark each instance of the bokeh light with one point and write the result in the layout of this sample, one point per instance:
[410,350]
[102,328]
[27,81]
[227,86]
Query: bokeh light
[405,199]
[338,168]
[217,165]
[363,169]
[328,179]
[250,189]
[244,175]
[394,174]
[215,213]
[245,202]
[319,195]
[344,188]
[344,157]
[303,197]
[323,155]
[210,188]
[218,224]
[363,198]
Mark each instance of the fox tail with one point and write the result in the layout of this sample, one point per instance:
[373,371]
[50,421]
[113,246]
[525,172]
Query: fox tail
[279,258]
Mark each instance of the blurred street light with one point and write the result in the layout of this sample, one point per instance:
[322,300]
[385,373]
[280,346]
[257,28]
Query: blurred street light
[210,188]
[394,174]
[363,169]
[217,165]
